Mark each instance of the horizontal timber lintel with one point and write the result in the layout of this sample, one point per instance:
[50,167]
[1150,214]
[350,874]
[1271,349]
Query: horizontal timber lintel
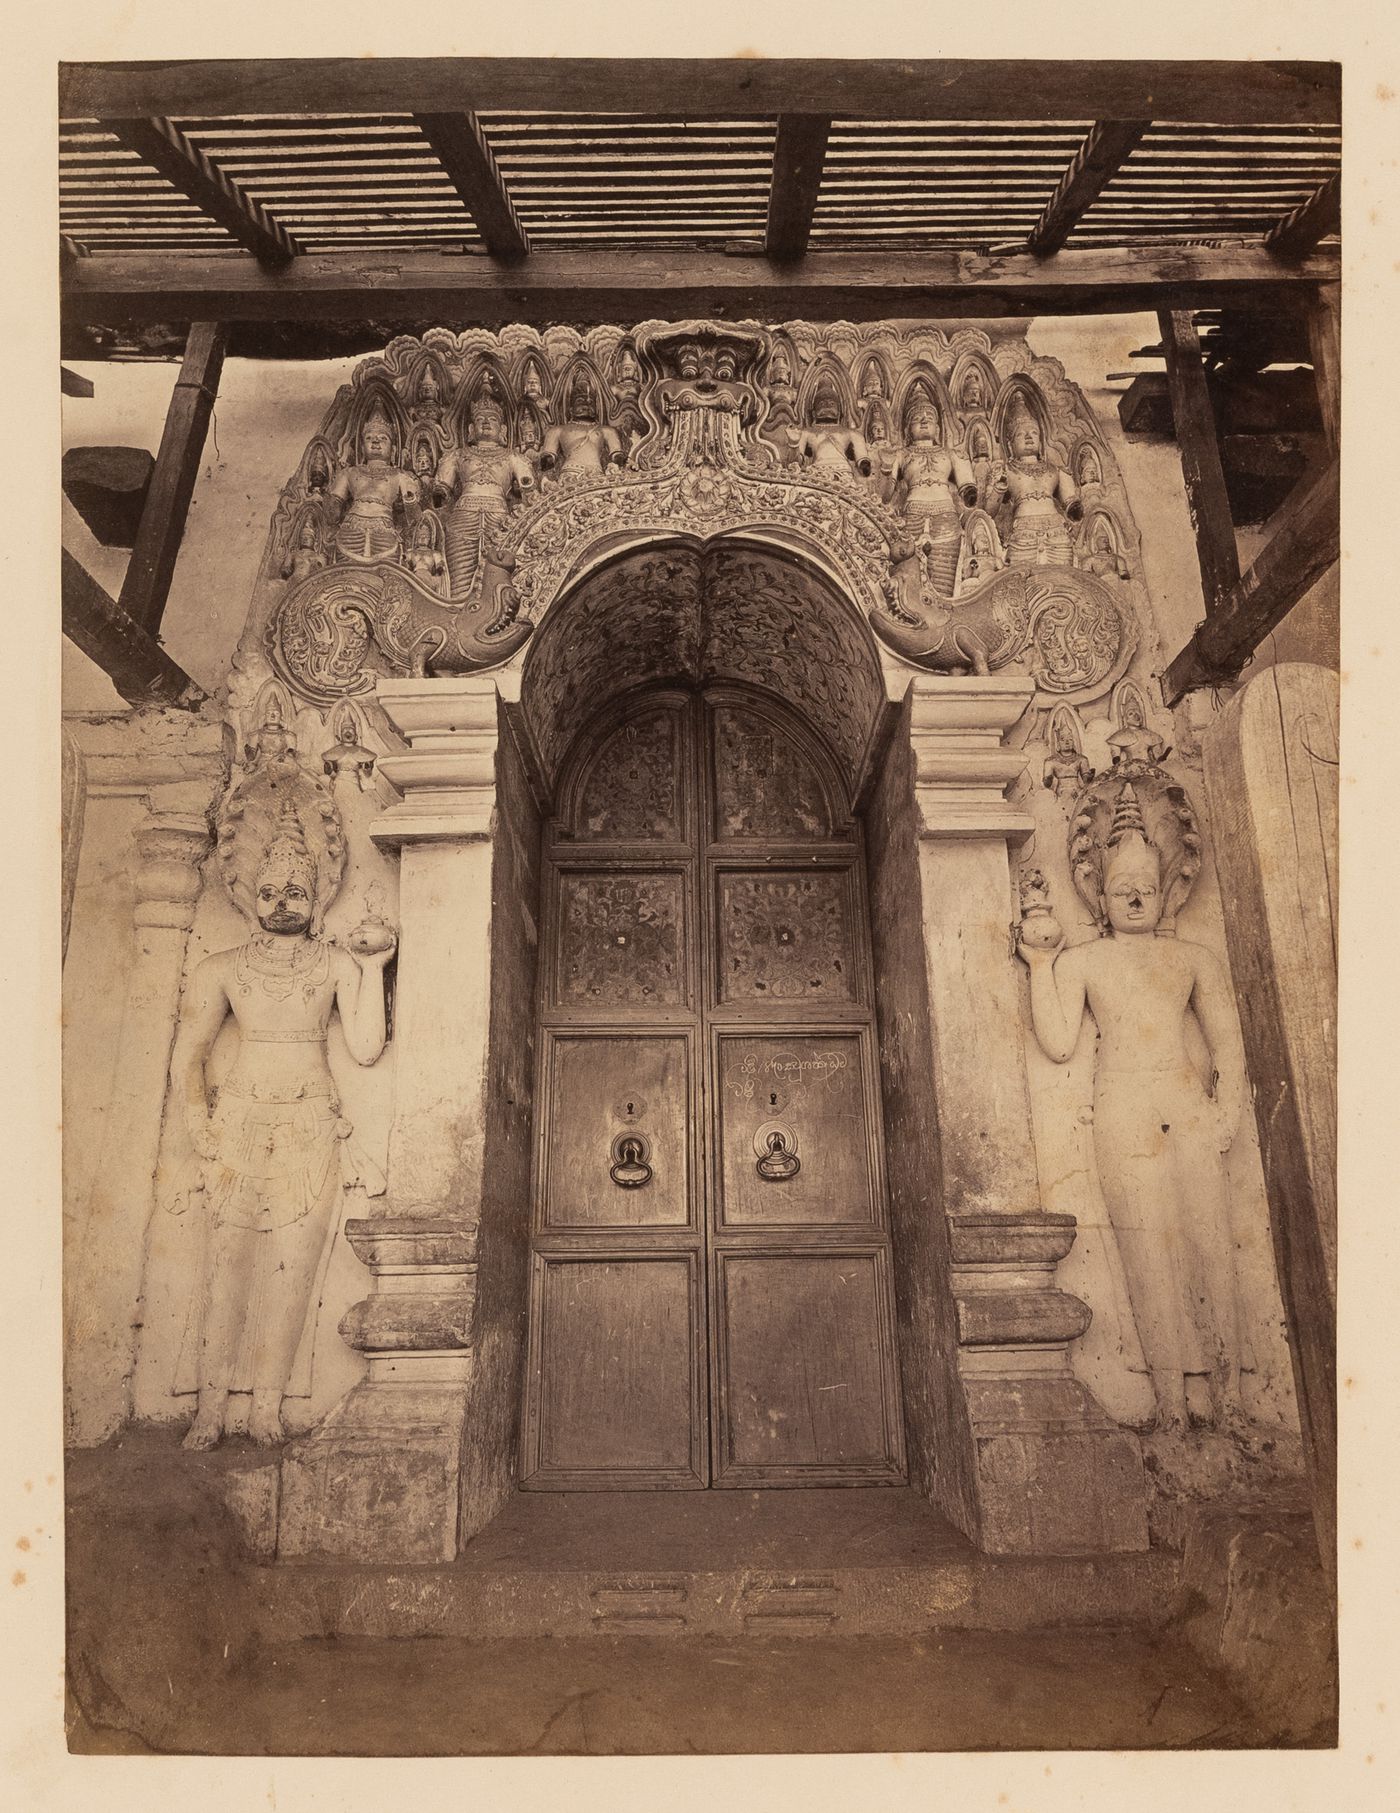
[626,285]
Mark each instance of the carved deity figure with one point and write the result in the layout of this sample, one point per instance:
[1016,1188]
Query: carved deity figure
[275,1149]
[1133,740]
[1037,496]
[481,479]
[582,448]
[827,446]
[973,394]
[304,557]
[371,495]
[1066,767]
[925,474]
[1159,1135]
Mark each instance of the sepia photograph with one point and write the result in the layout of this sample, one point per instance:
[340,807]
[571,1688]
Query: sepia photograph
[700,775]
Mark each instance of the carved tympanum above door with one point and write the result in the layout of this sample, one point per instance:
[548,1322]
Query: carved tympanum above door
[463,482]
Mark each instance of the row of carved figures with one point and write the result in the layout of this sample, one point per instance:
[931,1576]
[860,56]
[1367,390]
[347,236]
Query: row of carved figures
[438,507]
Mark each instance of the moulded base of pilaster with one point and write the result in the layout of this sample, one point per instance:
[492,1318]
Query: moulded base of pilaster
[1054,1475]
[378,1479]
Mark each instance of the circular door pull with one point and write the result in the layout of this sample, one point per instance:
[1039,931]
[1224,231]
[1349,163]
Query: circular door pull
[778,1160]
[630,1170]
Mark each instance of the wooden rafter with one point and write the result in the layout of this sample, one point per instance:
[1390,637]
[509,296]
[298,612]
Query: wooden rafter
[159,143]
[130,656]
[799,153]
[460,147]
[1309,224]
[1194,417]
[1098,160]
[1325,344]
[152,564]
[718,88]
[1305,543]
[631,285]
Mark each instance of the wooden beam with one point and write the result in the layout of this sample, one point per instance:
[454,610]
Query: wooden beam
[134,661]
[165,148]
[74,384]
[635,285]
[1306,542]
[152,563]
[1325,343]
[1211,91]
[1309,224]
[799,153]
[1271,773]
[460,147]
[1200,456]
[1094,166]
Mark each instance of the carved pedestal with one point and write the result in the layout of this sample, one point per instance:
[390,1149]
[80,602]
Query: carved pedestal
[1043,1468]
[174,764]
[379,1479]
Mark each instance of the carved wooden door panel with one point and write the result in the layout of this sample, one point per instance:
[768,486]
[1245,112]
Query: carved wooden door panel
[711,1299]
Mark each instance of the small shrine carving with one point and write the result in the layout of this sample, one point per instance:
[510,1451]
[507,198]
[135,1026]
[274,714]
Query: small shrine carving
[462,481]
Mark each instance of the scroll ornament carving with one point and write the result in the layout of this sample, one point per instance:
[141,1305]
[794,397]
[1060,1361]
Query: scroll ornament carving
[477,475]
[272,1151]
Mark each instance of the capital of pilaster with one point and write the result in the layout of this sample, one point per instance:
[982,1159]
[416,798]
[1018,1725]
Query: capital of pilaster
[445,782]
[171,847]
[962,767]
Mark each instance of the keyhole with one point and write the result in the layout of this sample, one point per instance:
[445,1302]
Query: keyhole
[629,1107]
[772,1101]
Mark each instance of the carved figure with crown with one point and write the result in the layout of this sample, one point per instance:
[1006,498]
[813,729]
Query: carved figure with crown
[582,447]
[1160,1128]
[828,446]
[481,481]
[922,481]
[1038,498]
[372,502]
[273,1151]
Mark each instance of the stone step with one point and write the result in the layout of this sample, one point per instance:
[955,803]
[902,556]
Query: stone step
[310,1599]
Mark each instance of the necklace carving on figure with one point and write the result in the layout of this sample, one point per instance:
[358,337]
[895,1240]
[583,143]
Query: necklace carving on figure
[309,966]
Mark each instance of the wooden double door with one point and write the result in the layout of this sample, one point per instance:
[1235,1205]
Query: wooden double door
[711,1299]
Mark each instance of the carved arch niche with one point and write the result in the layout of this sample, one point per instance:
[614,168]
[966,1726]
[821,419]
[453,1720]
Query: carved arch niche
[487,375]
[973,385]
[690,614]
[922,379]
[582,368]
[826,371]
[376,395]
[1025,389]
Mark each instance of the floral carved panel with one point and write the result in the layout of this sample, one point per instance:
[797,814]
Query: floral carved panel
[621,940]
[631,791]
[785,936]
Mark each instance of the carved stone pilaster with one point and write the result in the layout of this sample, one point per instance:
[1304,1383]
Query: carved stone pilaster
[1048,1470]
[176,766]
